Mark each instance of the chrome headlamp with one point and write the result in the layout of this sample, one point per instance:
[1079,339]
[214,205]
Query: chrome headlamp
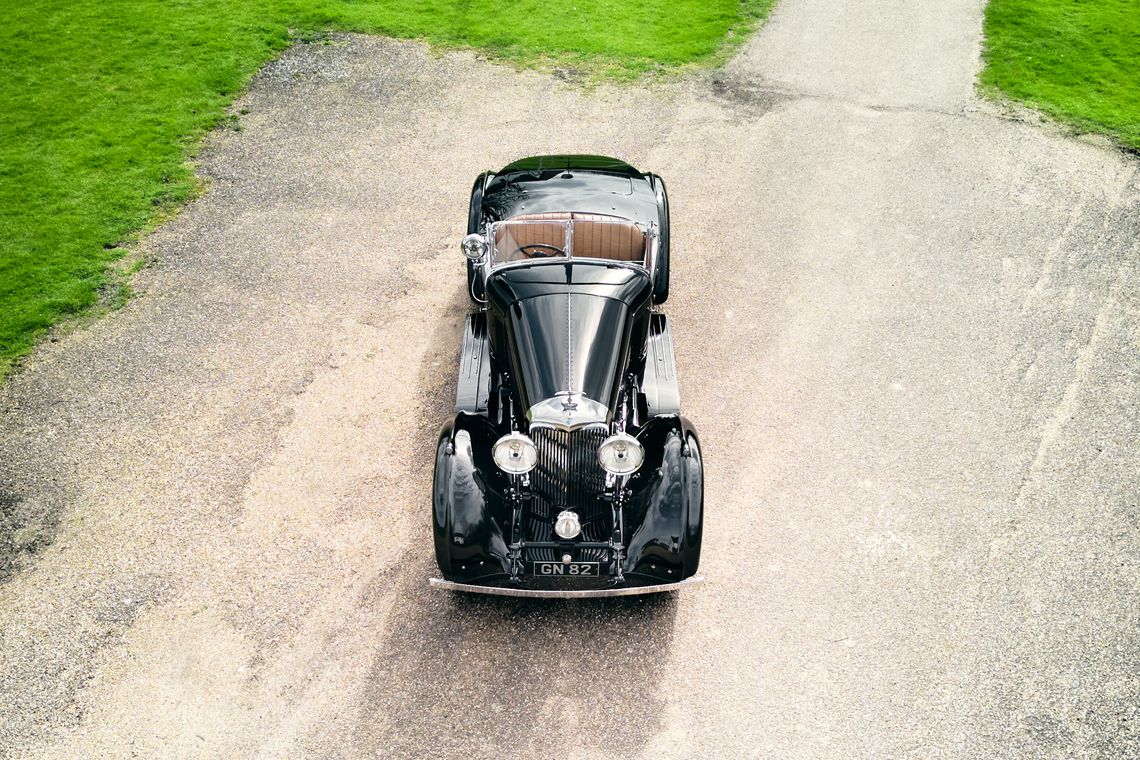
[515,453]
[620,454]
[474,246]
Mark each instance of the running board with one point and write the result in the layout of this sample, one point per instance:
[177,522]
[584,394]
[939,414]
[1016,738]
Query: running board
[471,588]
[474,385]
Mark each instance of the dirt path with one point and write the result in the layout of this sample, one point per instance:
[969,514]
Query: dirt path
[907,329]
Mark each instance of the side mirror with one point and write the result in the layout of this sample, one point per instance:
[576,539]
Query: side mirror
[474,246]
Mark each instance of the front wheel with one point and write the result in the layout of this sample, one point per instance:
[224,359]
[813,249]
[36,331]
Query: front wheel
[441,502]
[661,268]
[695,514]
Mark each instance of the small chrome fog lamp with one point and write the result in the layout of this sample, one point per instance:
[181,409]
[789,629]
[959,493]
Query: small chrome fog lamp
[515,453]
[620,454]
[474,246]
[567,525]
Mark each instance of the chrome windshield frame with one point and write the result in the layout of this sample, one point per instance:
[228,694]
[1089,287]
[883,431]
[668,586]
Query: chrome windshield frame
[645,264]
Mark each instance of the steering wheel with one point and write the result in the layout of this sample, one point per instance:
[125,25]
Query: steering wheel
[539,250]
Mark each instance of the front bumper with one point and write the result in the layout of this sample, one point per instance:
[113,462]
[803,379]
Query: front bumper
[577,593]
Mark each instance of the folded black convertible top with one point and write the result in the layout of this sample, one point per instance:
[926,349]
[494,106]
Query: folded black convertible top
[571,162]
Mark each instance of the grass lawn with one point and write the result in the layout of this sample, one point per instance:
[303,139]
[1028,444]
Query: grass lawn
[103,101]
[1075,60]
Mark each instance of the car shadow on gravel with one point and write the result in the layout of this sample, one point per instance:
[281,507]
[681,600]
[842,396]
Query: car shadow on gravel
[511,675]
[515,674]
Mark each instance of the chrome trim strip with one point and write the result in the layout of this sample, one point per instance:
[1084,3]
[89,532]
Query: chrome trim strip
[471,588]
[569,344]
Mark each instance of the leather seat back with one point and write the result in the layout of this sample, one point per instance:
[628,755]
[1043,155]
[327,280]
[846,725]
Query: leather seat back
[597,236]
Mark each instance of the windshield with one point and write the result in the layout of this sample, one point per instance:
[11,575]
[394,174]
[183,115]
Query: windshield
[582,236]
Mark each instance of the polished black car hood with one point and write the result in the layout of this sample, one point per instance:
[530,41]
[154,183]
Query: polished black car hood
[568,330]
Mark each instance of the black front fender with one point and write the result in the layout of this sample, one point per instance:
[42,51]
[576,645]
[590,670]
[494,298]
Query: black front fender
[664,517]
[467,502]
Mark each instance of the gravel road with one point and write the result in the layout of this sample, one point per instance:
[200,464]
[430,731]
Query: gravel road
[908,328]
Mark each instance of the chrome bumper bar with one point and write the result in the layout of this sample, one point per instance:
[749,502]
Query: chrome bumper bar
[440,583]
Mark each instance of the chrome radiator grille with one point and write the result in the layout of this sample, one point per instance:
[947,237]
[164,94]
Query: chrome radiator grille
[568,476]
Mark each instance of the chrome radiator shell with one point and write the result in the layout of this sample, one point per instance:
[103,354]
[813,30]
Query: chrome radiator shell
[568,476]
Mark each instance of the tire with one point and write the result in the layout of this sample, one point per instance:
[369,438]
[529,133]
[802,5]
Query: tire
[441,517]
[695,514]
[474,222]
[661,268]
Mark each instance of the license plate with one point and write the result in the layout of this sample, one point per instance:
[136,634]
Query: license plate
[568,569]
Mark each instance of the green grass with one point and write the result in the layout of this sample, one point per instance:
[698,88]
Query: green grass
[104,101]
[1076,60]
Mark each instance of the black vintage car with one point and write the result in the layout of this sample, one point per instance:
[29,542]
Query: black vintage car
[568,469]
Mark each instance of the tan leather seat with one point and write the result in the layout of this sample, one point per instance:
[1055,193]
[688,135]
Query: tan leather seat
[596,236]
